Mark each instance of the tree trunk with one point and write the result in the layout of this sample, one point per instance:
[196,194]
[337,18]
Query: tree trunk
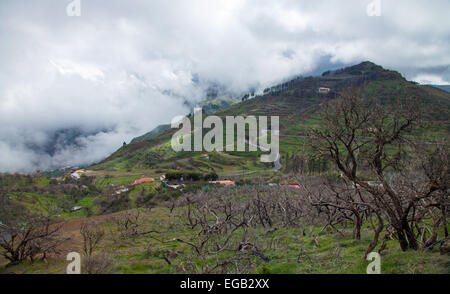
[444,220]
[377,232]
[357,222]
[402,239]
[412,241]
[406,237]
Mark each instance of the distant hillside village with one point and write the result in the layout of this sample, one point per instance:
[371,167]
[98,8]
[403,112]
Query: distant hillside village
[176,180]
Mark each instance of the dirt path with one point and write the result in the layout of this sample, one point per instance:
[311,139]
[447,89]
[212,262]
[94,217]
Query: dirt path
[71,230]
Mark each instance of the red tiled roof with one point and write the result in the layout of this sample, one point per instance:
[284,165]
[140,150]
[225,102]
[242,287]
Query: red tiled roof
[143,180]
[294,185]
[225,183]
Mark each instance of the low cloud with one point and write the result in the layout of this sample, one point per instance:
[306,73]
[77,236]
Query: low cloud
[430,79]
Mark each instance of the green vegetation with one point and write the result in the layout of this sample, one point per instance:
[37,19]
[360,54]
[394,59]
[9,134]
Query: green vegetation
[290,251]
[275,229]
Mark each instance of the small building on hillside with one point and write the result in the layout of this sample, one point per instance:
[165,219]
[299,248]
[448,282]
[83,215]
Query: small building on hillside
[75,176]
[175,187]
[120,191]
[223,183]
[292,185]
[76,208]
[205,156]
[143,180]
[323,90]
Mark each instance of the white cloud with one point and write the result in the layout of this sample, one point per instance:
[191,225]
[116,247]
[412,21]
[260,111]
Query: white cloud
[123,67]
[86,71]
[429,79]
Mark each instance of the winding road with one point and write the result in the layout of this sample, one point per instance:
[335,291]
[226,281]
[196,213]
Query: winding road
[277,163]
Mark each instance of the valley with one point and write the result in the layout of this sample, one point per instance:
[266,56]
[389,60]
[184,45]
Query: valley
[319,208]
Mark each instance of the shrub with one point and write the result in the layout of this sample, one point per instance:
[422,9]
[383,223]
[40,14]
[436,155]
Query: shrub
[186,175]
[263,270]
[211,177]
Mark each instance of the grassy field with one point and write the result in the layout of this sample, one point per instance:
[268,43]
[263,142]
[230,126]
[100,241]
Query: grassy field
[304,248]
[290,250]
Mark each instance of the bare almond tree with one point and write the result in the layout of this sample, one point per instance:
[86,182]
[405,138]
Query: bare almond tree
[340,203]
[368,141]
[128,223]
[92,235]
[38,237]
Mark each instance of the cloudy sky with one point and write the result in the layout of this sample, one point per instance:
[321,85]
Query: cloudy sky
[122,67]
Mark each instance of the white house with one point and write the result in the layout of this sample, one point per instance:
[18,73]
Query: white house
[324,90]
[75,176]
[175,187]
[123,190]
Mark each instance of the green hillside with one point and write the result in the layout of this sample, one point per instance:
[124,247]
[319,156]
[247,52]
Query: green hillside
[272,219]
[152,134]
[296,103]
[209,106]
[217,104]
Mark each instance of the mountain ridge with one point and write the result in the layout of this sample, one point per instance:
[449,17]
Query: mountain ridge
[296,102]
